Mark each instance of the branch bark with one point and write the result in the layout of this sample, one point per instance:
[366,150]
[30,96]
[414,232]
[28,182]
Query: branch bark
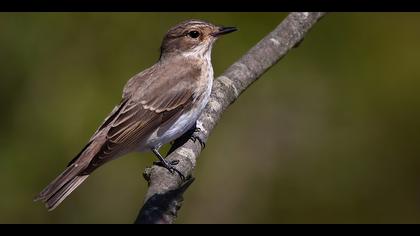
[164,196]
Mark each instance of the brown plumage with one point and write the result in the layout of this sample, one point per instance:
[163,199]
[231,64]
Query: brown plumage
[158,105]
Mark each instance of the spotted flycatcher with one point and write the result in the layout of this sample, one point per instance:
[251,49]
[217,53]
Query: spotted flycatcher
[158,105]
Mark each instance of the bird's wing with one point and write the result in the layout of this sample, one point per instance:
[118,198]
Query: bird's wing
[150,100]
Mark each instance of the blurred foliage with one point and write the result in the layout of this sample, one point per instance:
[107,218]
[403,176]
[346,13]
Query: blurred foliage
[329,135]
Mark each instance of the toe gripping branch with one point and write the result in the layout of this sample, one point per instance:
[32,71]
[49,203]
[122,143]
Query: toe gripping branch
[194,134]
[168,165]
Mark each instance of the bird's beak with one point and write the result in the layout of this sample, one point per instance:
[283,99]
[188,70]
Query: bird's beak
[224,30]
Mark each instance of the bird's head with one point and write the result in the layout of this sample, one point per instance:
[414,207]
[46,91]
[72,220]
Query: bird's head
[192,38]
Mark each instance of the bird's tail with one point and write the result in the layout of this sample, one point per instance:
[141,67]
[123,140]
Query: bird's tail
[62,186]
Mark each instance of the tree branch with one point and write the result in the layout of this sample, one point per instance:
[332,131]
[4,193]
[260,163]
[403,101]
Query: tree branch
[164,195]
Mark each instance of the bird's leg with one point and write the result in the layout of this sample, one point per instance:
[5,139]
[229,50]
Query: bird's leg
[165,164]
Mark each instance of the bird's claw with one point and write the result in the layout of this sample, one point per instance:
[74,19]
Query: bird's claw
[170,168]
[174,162]
[194,137]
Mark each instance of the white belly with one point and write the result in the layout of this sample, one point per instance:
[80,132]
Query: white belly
[184,123]
[179,127]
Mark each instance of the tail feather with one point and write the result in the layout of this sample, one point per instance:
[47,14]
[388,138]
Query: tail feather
[62,186]
[55,200]
[58,182]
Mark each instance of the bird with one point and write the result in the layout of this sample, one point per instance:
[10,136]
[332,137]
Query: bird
[158,105]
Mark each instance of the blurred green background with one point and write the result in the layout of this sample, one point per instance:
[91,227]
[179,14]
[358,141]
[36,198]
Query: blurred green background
[328,135]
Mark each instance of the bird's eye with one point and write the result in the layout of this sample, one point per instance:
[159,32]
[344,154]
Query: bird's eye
[193,34]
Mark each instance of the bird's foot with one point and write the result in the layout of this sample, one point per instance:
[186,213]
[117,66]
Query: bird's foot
[170,167]
[196,136]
